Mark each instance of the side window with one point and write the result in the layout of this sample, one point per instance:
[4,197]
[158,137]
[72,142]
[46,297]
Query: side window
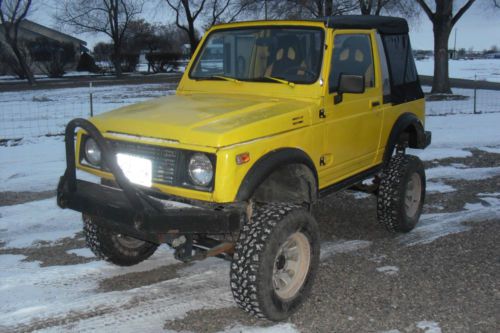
[352,54]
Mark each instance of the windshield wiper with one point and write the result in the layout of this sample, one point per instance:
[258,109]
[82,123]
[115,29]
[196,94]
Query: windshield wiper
[220,77]
[291,84]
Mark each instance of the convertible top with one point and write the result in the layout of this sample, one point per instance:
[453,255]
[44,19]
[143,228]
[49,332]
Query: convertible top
[386,25]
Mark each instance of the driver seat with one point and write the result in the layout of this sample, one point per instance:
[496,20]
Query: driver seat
[287,56]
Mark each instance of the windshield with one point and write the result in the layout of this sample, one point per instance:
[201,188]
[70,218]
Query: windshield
[261,54]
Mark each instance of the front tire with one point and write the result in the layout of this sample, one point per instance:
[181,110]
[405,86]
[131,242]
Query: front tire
[275,261]
[119,249]
[401,193]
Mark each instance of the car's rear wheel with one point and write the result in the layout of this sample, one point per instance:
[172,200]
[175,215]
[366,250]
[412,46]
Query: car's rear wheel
[114,247]
[275,261]
[401,193]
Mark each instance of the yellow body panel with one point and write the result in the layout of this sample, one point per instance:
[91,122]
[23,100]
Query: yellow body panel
[230,118]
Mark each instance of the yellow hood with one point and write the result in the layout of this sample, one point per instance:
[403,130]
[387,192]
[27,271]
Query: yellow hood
[207,120]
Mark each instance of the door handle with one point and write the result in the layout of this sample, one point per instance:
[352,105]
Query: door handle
[375,103]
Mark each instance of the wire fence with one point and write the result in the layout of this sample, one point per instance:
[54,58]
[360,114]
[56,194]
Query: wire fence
[463,101]
[29,114]
[33,113]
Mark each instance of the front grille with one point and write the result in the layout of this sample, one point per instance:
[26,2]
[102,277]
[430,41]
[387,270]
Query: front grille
[164,160]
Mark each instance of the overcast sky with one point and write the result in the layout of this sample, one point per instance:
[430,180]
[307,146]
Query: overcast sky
[479,27]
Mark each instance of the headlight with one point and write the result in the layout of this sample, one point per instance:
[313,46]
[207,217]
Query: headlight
[92,152]
[200,169]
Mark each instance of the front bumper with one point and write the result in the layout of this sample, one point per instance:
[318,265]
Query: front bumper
[128,209]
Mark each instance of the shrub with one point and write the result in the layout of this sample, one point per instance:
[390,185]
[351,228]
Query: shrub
[86,63]
[162,61]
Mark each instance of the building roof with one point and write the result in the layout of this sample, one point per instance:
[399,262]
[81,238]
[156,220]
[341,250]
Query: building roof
[384,24]
[44,31]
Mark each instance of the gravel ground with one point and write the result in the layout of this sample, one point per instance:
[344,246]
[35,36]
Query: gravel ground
[451,283]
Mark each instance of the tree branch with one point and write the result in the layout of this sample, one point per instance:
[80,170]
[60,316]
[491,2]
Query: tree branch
[426,9]
[461,12]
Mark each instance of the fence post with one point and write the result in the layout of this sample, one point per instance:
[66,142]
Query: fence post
[475,94]
[91,101]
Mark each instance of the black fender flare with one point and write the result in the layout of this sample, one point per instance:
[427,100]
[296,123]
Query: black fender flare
[269,163]
[418,137]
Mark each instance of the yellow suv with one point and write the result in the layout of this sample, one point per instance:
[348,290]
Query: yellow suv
[268,117]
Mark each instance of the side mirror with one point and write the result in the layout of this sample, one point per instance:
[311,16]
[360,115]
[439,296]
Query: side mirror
[351,84]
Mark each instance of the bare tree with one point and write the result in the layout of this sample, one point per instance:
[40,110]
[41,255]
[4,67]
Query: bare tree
[111,17]
[190,10]
[372,7]
[12,12]
[224,11]
[443,20]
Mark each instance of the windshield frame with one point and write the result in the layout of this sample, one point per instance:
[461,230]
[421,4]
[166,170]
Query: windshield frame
[261,27]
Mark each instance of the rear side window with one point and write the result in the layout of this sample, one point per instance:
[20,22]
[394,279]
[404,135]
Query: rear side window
[400,59]
[352,54]
[405,85]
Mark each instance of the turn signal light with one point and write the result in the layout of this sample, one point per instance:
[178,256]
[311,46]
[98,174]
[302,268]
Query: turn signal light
[242,158]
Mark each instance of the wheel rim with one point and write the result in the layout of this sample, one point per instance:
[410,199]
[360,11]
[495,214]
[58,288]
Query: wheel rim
[128,242]
[291,265]
[413,195]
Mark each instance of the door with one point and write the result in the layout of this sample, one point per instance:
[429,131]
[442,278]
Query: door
[352,124]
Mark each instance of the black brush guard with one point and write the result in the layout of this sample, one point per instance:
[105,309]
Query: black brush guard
[128,209]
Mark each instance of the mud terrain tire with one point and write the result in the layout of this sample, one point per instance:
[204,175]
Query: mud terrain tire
[279,244]
[401,193]
[113,247]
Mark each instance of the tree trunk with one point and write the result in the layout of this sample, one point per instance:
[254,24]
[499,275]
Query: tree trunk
[117,61]
[328,8]
[193,41]
[24,65]
[441,81]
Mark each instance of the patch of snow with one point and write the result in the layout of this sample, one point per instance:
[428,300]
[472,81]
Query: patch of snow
[34,113]
[429,326]
[435,226]
[391,331]
[450,172]
[359,195]
[494,150]
[388,270]
[438,187]
[33,296]
[83,252]
[329,249]
[464,130]
[34,165]
[279,328]
[28,223]
[432,153]
[480,69]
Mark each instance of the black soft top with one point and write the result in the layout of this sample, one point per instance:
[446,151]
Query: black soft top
[384,24]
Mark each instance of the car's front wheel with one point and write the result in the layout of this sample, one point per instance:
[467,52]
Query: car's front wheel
[275,260]
[119,249]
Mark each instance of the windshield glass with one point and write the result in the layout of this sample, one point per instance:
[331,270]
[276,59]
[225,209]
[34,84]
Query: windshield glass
[261,54]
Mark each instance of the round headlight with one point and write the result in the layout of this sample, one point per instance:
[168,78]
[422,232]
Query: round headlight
[92,152]
[200,169]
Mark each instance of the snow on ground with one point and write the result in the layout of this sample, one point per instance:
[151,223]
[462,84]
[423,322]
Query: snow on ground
[462,102]
[388,270]
[482,69]
[40,297]
[64,298]
[41,221]
[36,113]
[434,226]
[452,134]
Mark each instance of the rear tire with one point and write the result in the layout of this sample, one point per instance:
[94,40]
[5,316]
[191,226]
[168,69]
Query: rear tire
[113,247]
[401,193]
[275,261]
